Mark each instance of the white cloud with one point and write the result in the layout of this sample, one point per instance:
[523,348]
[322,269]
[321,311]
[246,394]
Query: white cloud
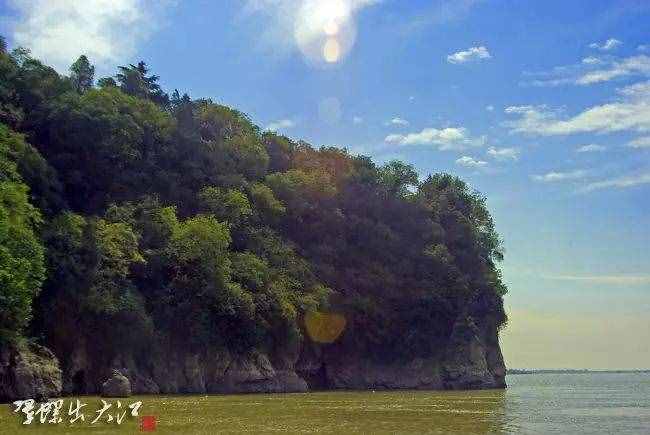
[550,82]
[107,31]
[469,162]
[608,45]
[398,121]
[643,47]
[450,138]
[630,113]
[638,91]
[618,183]
[281,124]
[489,108]
[357,120]
[503,153]
[637,65]
[471,54]
[552,177]
[591,60]
[591,71]
[591,148]
[641,142]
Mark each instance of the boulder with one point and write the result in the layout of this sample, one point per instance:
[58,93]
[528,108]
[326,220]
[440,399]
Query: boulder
[117,385]
[250,374]
[28,371]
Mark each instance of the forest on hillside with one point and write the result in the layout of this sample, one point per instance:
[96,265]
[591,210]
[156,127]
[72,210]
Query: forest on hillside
[129,215]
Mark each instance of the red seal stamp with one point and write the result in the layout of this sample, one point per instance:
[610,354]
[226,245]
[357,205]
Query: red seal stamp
[147,423]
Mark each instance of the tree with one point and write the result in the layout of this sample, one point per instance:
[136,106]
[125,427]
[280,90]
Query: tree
[107,82]
[11,113]
[397,177]
[205,300]
[266,204]
[447,195]
[82,74]
[91,294]
[232,141]
[21,55]
[133,80]
[22,268]
[302,191]
[26,87]
[3,45]
[46,191]
[279,149]
[183,109]
[231,205]
[105,145]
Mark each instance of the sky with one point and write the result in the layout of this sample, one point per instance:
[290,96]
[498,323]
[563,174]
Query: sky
[543,106]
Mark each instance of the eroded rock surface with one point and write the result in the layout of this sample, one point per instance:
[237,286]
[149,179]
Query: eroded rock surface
[117,385]
[29,372]
[471,359]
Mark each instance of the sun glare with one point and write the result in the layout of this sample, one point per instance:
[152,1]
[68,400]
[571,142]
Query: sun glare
[325,31]
[331,28]
[333,9]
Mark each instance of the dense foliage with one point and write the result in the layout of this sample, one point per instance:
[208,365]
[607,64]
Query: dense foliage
[140,216]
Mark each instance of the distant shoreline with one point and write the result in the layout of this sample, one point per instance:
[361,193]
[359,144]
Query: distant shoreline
[569,371]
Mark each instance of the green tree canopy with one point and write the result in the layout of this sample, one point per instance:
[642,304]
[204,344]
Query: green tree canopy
[82,74]
[21,254]
[135,80]
[176,220]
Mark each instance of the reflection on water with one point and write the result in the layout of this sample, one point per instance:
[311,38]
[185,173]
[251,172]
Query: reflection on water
[544,403]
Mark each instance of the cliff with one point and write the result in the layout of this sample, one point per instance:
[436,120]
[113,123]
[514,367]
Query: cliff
[471,360]
[28,371]
[164,244]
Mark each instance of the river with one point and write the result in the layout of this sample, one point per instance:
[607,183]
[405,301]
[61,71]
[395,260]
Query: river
[533,404]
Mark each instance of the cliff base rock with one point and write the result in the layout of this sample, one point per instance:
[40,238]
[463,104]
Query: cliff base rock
[471,359]
[28,371]
[117,385]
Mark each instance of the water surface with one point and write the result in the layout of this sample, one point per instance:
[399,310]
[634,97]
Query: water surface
[536,403]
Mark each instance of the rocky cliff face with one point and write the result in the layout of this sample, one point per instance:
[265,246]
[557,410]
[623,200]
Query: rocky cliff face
[472,360]
[169,371]
[28,371]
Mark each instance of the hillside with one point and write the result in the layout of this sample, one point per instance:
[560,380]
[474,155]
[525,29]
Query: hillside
[173,240]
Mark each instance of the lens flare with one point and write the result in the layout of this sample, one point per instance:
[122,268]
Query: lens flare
[331,50]
[325,30]
[324,327]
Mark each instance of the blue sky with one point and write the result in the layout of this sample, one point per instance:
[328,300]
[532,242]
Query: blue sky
[544,106]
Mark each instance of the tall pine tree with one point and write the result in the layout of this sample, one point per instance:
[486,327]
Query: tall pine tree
[82,74]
